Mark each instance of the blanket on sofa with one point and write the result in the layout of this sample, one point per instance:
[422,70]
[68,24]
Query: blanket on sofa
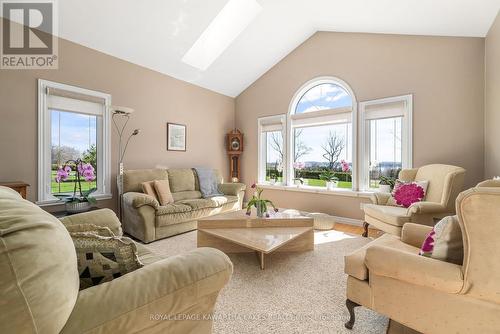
[208,182]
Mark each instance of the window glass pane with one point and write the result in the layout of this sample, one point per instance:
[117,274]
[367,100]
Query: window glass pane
[323,96]
[73,136]
[274,156]
[385,148]
[318,149]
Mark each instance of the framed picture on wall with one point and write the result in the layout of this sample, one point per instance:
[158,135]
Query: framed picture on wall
[176,137]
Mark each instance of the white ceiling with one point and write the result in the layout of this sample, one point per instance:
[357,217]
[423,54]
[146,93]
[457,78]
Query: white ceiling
[157,33]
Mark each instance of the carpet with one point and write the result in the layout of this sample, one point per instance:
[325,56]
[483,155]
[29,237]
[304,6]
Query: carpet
[296,293]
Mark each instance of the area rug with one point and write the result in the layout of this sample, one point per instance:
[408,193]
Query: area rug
[296,293]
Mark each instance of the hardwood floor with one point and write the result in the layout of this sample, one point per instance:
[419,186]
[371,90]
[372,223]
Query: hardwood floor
[357,230]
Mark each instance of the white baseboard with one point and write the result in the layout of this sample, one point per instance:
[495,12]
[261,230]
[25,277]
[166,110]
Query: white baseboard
[348,221]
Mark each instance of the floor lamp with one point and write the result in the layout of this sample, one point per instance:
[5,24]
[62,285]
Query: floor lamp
[122,113]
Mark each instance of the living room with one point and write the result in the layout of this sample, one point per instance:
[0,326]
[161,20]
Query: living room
[249,166]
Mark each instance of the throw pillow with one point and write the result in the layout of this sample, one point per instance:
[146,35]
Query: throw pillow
[149,189]
[101,256]
[162,188]
[445,242]
[392,200]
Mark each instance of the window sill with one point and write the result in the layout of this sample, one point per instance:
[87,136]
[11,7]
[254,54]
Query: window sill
[319,190]
[59,202]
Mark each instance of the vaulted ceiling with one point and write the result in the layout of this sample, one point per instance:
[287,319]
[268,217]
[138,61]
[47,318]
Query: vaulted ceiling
[157,33]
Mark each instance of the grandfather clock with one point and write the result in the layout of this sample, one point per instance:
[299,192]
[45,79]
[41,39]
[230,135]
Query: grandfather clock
[234,140]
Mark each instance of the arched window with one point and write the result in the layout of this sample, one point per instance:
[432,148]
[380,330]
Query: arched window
[320,134]
[317,143]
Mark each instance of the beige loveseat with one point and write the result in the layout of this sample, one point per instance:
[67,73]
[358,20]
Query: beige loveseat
[145,219]
[445,183]
[429,295]
[39,280]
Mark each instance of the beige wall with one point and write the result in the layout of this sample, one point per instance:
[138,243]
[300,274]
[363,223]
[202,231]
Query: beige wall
[492,101]
[157,99]
[446,76]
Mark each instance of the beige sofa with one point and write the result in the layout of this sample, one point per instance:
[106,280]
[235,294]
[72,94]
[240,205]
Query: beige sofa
[39,280]
[445,183]
[431,296]
[145,219]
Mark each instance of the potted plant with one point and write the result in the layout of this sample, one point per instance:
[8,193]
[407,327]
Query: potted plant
[81,201]
[330,178]
[298,166]
[259,203]
[386,184]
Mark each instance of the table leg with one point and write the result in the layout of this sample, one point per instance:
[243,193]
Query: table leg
[260,257]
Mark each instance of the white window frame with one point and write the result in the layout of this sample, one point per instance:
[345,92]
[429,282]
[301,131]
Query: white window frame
[407,134]
[44,141]
[321,117]
[279,120]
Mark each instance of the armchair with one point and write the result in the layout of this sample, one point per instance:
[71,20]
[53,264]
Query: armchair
[445,183]
[39,281]
[427,295]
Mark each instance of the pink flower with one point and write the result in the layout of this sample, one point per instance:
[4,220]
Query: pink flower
[299,165]
[62,174]
[86,170]
[345,166]
[407,194]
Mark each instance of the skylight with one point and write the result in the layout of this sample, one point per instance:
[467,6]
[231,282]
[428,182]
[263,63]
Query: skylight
[222,31]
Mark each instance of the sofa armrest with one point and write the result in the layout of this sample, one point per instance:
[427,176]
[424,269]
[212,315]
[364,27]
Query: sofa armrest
[380,198]
[102,217]
[169,287]
[414,269]
[139,199]
[426,208]
[414,234]
[232,189]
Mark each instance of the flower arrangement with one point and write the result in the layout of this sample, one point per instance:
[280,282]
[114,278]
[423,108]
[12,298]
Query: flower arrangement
[330,178]
[259,203]
[82,170]
[298,166]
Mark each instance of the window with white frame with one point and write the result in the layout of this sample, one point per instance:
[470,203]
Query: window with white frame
[321,137]
[386,130]
[74,124]
[272,149]
[318,140]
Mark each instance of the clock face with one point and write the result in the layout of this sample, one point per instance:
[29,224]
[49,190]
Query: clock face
[235,144]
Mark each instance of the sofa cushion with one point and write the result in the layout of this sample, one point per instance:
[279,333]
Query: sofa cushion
[148,188]
[355,262]
[213,202]
[132,179]
[393,215]
[162,189]
[172,208]
[39,276]
[181,179]
[445,242]
[182,195]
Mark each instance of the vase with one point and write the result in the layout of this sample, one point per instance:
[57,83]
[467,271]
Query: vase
[77,207]
[384,188]
[260,211]
[331,185]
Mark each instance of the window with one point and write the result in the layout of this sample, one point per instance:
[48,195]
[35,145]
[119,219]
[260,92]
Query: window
[316,143]
[320,124]
[272,154]
[73,124]
[386,130]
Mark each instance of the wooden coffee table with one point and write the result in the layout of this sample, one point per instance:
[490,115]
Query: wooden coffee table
[235,232]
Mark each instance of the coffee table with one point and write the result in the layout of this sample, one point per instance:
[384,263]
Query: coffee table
[235,232]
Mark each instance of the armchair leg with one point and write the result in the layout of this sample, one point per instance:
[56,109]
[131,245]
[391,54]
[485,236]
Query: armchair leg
[365,230]
[350,307]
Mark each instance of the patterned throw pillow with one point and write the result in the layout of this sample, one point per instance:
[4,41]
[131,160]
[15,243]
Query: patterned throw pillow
[101,255]
[445,242]
[406,193]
